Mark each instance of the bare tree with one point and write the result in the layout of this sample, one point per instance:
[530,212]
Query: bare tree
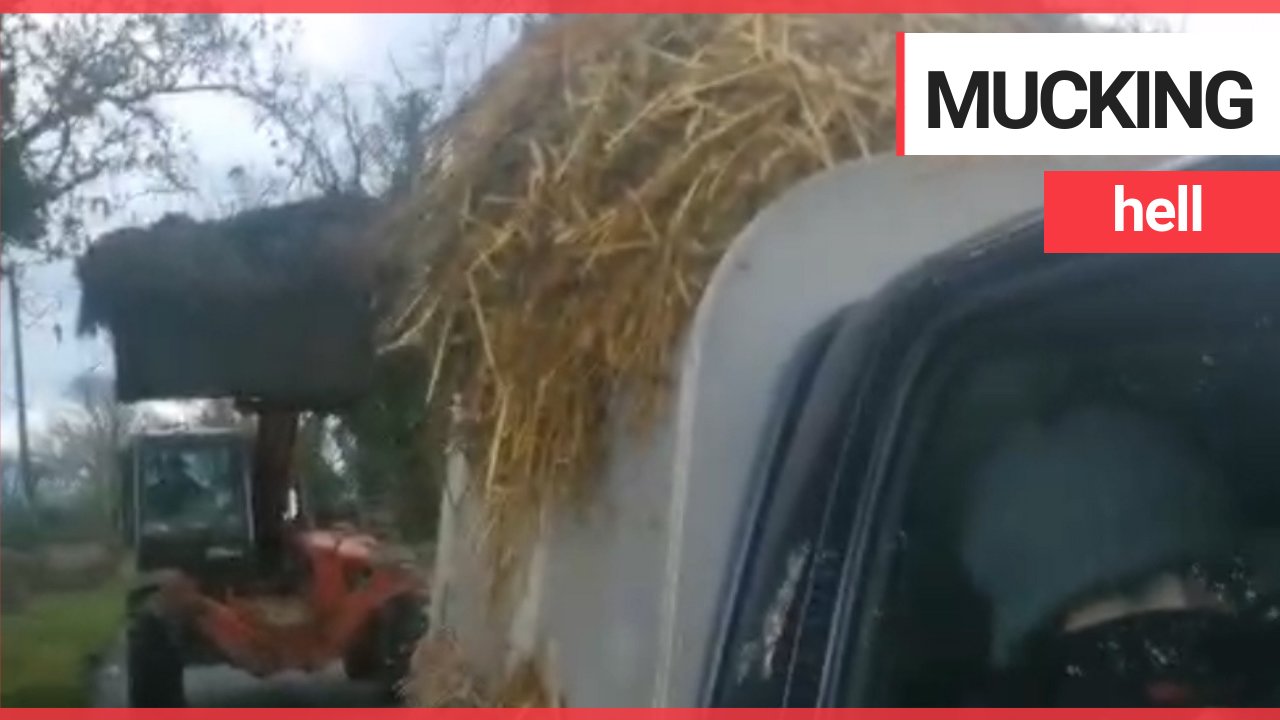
[340,137]
[83,444]
[83,102]
[82,98]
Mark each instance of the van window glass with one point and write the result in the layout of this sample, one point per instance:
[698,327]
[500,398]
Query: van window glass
[1087,521]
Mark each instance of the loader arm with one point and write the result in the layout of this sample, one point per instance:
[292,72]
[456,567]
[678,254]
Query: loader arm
[272,479]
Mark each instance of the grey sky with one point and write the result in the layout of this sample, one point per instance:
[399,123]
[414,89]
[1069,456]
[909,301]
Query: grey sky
[223,136]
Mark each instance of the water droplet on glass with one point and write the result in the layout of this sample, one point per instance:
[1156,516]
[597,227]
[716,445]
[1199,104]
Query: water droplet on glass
[1157,654]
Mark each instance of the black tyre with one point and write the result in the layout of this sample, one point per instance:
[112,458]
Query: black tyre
[155,663]
[401,623]
[361,659]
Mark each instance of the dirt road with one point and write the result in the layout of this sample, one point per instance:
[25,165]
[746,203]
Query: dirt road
[223,687]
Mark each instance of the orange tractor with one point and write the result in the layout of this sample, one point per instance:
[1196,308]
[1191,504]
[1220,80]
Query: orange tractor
[258,308]
[225,578]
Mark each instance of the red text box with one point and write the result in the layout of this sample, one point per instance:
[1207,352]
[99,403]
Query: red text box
[1161,212]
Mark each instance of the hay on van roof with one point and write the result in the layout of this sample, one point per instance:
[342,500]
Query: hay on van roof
[270,304]
[575,205]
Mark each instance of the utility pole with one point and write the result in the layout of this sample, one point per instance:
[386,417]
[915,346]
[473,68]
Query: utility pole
[19,381]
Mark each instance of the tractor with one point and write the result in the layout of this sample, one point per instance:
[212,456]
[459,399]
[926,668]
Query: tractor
[226,577]
[231,568]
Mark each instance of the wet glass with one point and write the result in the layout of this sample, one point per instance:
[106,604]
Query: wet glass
[199,488]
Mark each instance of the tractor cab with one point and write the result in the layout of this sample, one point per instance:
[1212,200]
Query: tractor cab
[189,500]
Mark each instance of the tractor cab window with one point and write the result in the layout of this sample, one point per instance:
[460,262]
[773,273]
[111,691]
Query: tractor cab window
[193,488]
[1087,513]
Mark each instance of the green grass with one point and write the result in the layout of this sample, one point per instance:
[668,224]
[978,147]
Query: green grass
[44,648]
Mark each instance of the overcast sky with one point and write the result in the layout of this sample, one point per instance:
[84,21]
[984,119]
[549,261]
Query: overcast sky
[223,136]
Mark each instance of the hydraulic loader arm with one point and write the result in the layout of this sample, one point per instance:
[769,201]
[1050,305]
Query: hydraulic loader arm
[272,479]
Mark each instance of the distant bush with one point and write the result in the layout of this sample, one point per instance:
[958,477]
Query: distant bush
[19,527]
[17,580]
[22,528]
[60,547]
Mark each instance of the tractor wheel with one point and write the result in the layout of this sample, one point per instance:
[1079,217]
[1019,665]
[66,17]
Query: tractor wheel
[361,659]
[402,622]
[155,663]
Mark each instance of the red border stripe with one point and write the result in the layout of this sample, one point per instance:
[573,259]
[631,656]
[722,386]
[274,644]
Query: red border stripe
[675,6]
[637,714]
[901,81]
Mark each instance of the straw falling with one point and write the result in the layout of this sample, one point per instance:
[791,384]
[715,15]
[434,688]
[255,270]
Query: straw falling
[574,207]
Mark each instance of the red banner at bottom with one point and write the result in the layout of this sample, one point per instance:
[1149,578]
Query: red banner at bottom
[649,714]
[1161,212]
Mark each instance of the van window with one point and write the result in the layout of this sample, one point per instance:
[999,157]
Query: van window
[1085,519]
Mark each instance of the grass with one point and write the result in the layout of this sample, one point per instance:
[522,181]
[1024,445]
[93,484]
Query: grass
[44,648]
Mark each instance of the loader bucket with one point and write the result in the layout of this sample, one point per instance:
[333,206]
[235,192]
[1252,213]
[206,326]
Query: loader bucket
[269,305]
